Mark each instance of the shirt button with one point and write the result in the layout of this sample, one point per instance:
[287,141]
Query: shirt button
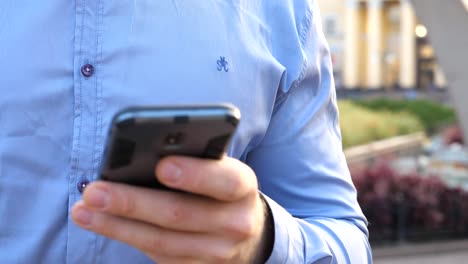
[87,70]
[82,185]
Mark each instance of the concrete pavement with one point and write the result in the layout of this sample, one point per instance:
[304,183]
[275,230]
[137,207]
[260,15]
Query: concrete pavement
[453,252]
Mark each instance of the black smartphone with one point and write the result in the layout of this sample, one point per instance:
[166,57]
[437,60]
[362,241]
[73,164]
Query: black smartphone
[140,136]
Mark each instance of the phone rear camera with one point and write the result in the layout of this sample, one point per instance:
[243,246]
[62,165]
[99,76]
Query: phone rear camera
[174,139]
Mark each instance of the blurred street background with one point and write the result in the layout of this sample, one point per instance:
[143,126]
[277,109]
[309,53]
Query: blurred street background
[402,127]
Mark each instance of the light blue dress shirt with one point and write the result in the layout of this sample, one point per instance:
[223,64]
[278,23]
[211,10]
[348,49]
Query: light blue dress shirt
[67,66]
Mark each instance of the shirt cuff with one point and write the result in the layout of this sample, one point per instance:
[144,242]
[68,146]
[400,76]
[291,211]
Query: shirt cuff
[288,244]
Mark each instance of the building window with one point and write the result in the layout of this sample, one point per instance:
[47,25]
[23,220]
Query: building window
[330,25]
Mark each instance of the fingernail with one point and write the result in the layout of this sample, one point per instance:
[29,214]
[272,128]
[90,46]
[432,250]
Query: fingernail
[83,216]
[171,173]
[98,198]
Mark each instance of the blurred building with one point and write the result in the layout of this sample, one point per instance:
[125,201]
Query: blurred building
[379,44]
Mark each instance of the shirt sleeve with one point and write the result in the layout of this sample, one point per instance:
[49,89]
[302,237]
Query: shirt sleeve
[300,164]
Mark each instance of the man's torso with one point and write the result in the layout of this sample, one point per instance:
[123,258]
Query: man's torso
[54,116]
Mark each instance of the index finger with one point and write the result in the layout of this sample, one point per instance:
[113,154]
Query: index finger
[226,180]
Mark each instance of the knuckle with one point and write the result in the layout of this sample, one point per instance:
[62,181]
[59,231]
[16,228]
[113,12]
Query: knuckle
[242,227]
[241,184]
[155,244]
[197,182]
[222,255]
[110,227]
[127,205]
[177,213]
[235,187]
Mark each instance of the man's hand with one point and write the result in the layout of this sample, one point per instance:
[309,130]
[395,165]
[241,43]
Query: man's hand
[221,222]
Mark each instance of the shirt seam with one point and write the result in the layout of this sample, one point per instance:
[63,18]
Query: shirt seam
[305,30]
[99,107]
[243,10]
[77,124]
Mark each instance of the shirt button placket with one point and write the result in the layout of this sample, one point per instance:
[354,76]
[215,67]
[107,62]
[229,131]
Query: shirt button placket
[81,245]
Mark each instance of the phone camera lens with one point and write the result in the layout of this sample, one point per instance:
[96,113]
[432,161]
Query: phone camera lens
[173,139]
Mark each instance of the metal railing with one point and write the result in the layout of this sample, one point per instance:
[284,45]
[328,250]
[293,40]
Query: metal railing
[401,145]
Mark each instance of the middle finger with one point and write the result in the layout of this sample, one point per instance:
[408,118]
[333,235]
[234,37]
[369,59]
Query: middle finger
[172,210]
[156,242]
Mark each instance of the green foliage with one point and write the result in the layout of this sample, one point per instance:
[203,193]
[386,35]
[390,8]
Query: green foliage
[431,115]
[360,125]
